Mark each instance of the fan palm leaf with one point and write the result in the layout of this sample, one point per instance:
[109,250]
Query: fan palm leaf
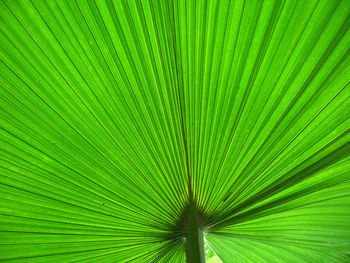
[135,131]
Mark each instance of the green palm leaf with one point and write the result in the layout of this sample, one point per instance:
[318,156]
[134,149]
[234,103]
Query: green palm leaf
[135,131]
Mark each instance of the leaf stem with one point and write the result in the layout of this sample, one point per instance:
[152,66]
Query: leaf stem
[194,245]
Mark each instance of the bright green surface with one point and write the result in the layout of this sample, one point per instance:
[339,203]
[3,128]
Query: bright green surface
[109,109]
